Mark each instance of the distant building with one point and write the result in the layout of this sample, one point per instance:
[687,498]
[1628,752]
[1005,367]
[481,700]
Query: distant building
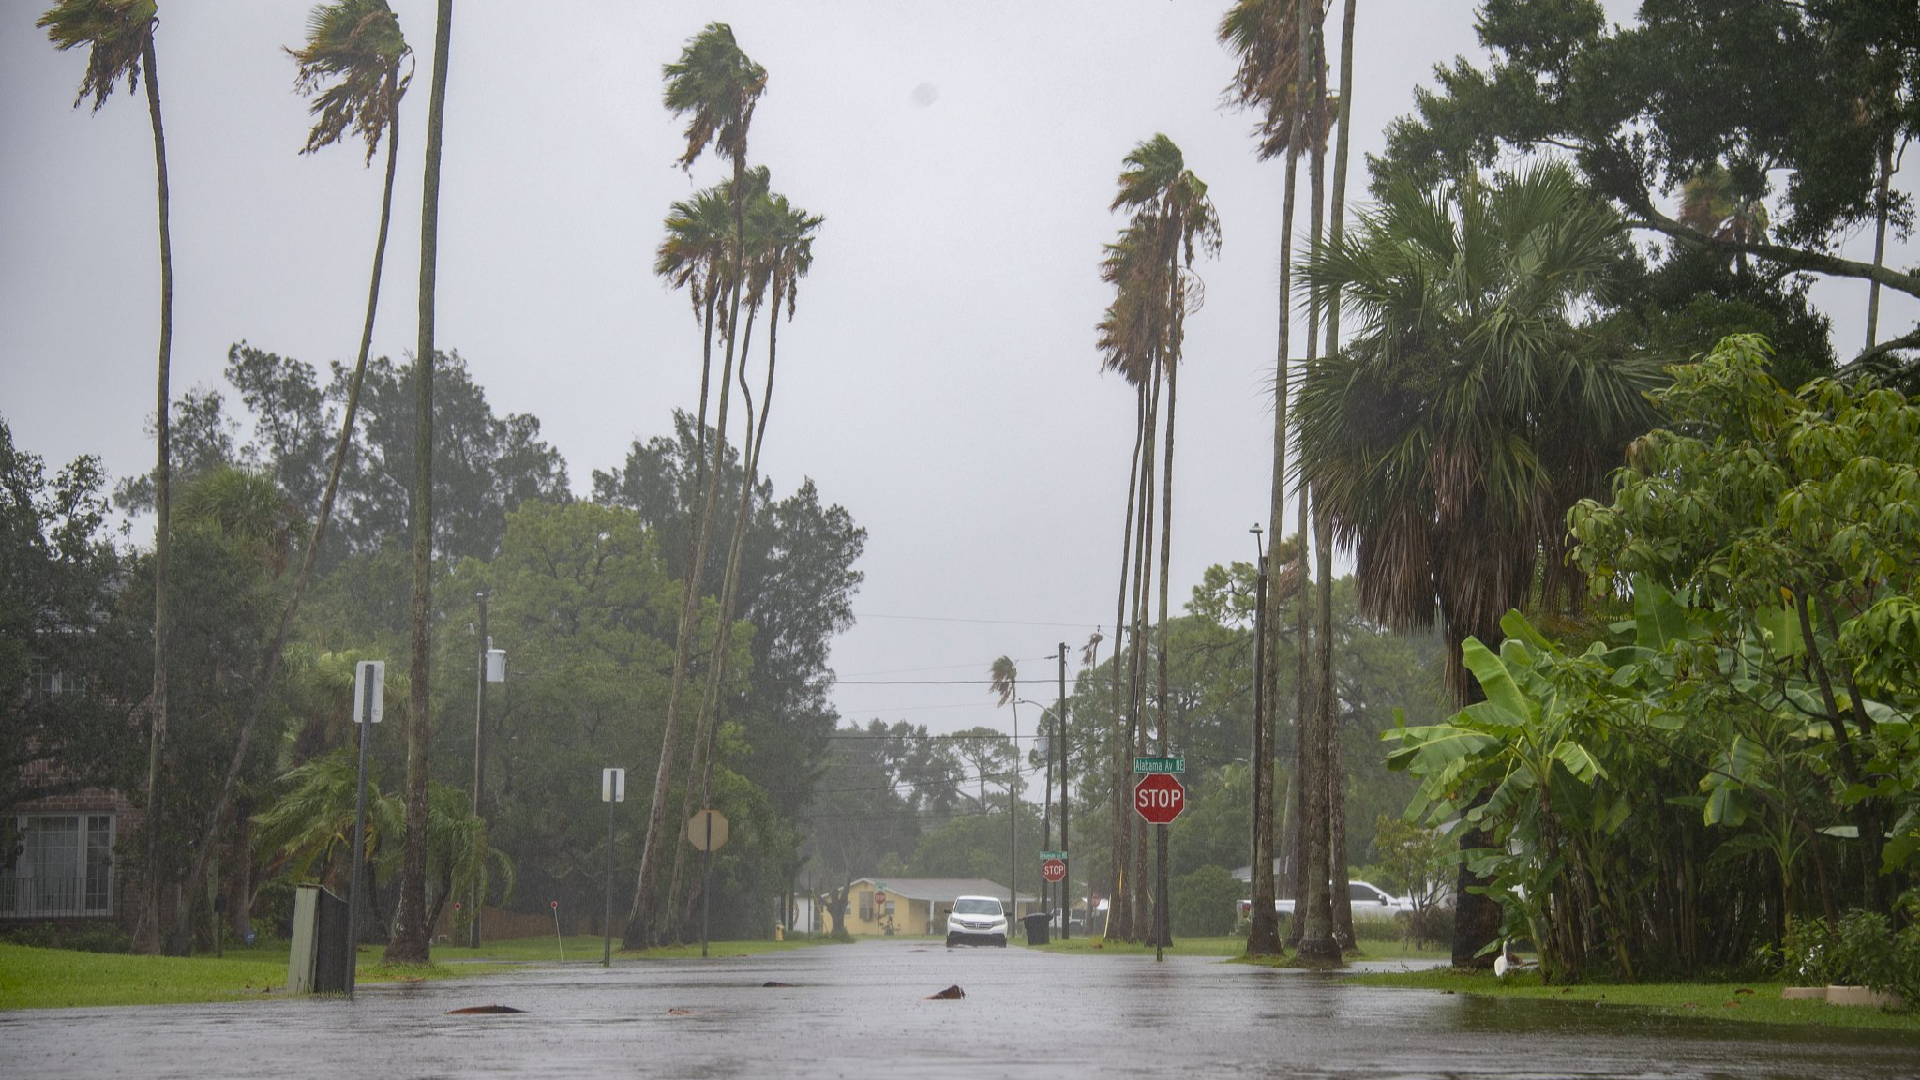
[916,907]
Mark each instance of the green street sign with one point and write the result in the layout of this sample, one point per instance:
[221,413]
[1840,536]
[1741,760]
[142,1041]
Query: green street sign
[1160,765]
[1053,855]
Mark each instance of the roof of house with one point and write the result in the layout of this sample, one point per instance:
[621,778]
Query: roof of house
[941,890]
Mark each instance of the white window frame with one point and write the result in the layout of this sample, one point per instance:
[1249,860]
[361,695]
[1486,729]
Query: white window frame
[26,892]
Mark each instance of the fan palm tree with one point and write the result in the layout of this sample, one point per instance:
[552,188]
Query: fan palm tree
[1004,683]
[1129,338]
[1268,37]
[409,944]
[351,61]
[118,36]
[716,86]
[1170,204]
[1446,441]
[780,239]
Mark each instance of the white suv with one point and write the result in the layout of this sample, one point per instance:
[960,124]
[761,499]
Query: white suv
[977,920]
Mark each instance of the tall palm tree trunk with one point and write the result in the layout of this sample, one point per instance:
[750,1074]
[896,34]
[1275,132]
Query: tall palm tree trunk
[1326,713]
[1162,920]
[270,661]
[644,917]
[1316,930]
[1264,936]
[147,938]
[1119,912]
[709,715]
[411,931]
[1143,581]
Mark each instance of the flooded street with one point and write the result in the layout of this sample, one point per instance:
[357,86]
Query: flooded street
[862,1011]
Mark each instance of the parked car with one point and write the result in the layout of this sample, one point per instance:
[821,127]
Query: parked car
[977,920]
[1369,902]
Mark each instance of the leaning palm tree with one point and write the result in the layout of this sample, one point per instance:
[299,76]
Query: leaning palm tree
[351,61]
[1446,441]
[716,86]
[780,239]
[1128,341]
[411,929]
[1171,203]
[118,35]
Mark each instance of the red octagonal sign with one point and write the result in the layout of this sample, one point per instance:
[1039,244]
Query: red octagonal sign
[1159,797]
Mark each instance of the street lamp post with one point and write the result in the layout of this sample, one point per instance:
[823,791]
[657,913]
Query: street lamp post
[492,667]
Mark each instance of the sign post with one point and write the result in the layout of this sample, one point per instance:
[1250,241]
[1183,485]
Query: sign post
[1159,797]
[369,694]
[613,789]
[707,831]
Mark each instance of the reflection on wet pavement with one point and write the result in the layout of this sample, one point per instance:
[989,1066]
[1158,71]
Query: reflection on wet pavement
[865,1011]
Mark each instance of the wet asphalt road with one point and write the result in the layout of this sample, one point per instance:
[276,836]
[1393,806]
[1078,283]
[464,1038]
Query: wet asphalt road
[861,1011]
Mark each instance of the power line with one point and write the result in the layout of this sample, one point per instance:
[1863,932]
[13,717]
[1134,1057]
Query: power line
[972,622]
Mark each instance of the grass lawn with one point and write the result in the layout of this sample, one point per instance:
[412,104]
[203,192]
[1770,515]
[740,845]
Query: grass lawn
[1754,1002]
[1234,946]
[32,978]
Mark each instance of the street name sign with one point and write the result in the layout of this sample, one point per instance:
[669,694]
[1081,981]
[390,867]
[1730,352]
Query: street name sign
[1160,765]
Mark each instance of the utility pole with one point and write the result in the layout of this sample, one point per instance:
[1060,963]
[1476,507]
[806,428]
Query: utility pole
[1066,882]
[479,757]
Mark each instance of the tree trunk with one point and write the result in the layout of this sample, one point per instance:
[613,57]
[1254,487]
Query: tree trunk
[411,931]
[1329,719]
[645,915]
[1119,918]
[270,661]
[146,939]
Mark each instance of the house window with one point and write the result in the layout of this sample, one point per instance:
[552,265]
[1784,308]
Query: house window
[52,682]
[63,866]
[866,907]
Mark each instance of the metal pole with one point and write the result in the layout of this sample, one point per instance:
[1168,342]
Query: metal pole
[359,836]
[479,759]
[1013,828]
[606,925]
[706,881]
[1066,880]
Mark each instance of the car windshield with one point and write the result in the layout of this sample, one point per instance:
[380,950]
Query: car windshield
[976,905]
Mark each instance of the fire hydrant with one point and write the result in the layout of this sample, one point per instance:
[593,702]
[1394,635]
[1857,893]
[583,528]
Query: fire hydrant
[779,932]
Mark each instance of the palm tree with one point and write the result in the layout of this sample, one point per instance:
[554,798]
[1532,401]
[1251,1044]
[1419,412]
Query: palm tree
[780,238]
[356,45]
[118,35]
[1004,683]
[411,931]
[1326,722]
[1447,440]
[1171,207]
[716,86]
[1267,36]
[1128,339]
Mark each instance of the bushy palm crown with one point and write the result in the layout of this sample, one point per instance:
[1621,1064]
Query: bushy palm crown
[697,252]
[1172,219]
[116,32]
[1447,441]
[357,46]
[1265,36]
[716,86]
[1004,679]
[780,247]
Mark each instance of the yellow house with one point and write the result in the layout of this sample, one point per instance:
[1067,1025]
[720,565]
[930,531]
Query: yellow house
[917,907]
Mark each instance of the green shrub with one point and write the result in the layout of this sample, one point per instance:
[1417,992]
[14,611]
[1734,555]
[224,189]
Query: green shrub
[94,937]
[1862,949]
[1205,902]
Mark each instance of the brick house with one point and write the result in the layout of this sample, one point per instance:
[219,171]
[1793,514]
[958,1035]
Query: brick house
[64,866]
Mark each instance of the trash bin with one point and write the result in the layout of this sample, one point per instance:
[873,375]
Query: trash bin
[317,962]
[1036,927]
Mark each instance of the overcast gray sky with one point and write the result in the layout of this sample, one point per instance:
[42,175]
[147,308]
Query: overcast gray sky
[940,379]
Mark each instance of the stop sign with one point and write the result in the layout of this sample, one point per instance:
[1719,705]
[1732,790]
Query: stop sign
[1159,797]
[1053,869]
